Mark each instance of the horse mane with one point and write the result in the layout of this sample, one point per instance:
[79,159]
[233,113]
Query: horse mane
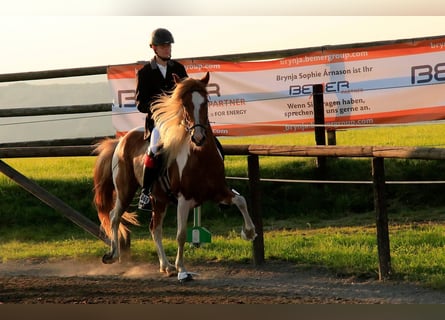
[168,114]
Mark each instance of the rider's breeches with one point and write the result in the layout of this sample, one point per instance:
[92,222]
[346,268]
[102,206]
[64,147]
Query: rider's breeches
[154,139]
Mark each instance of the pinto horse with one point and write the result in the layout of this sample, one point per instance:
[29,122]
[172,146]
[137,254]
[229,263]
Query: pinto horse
[194,170]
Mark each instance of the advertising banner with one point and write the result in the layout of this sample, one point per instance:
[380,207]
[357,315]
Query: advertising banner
[398,82]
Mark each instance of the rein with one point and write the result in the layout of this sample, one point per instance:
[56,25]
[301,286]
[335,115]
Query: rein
[190,129]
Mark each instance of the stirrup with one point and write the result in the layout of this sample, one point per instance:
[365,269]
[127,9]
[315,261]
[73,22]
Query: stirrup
[144,202]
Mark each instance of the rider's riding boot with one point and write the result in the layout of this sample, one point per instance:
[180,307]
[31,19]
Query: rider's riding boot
[151,170]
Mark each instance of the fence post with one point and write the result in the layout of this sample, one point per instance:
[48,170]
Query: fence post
[255,208]
[332,137]
[378,175]
[320,136]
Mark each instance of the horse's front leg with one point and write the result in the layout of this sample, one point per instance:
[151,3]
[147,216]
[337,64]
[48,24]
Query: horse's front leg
[183,210]
[248,230]
[156,223]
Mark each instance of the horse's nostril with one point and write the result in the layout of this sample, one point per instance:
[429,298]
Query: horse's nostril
[198,142]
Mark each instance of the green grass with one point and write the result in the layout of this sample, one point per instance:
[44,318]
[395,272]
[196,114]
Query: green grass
[430,135]
[323,226]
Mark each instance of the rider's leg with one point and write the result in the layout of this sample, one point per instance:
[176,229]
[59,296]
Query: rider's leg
[150,171]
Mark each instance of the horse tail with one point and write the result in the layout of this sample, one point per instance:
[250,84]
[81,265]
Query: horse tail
[104,191]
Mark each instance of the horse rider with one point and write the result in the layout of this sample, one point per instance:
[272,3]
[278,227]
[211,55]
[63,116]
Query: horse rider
[155,78]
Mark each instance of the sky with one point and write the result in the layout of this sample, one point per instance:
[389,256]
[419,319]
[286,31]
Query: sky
[48,35]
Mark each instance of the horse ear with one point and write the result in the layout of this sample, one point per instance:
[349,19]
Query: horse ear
[206,78]
[176,78]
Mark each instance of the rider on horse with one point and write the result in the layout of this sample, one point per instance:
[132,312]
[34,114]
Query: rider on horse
[154,79]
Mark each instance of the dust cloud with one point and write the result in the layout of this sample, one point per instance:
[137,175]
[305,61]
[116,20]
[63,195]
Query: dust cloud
[71,268]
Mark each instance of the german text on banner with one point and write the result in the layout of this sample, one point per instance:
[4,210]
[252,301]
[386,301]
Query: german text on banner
[387,83]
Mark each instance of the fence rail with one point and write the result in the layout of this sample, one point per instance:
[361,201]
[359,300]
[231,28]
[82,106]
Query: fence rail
[97,70]
[338,151]
[426,153]
[46,111]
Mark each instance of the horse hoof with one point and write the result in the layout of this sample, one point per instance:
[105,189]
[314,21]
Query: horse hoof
[170,271]
[249,235]
[184,277]
[108,259]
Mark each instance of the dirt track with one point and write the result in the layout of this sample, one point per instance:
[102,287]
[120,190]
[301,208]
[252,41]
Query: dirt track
[76,282]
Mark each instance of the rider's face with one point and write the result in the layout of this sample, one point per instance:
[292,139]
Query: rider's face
[163,50]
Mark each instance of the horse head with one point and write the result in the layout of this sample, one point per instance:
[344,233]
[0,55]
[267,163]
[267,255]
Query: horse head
[195,107]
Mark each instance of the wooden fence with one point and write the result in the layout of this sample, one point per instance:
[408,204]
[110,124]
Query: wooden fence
[253,152]
[83,147]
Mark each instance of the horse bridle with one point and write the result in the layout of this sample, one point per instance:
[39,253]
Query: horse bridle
[188,124]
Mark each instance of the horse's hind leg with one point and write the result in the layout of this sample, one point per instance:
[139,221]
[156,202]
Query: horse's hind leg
[123,196]
[115,219]
[248,231]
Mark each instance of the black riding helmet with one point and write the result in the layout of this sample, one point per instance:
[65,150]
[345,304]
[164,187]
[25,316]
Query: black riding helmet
[161,36]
